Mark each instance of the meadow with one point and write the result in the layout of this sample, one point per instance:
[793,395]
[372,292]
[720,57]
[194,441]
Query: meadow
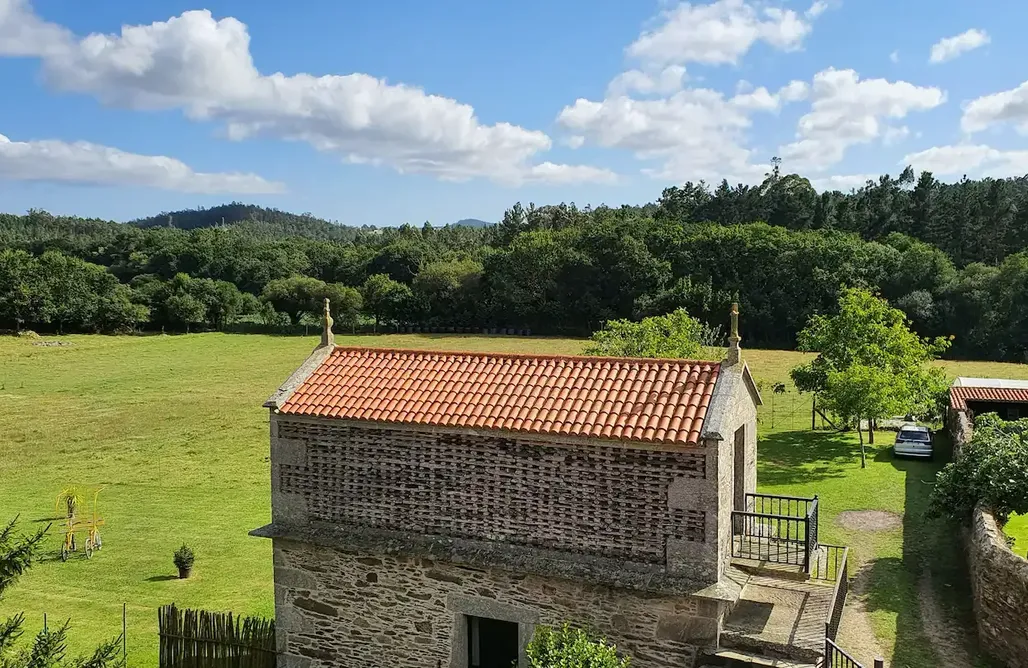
[172,429]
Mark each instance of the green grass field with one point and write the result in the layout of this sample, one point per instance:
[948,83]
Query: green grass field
[172,428]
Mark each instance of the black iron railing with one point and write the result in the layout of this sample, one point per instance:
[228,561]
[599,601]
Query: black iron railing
[835,657]
[839,563]
[776,529]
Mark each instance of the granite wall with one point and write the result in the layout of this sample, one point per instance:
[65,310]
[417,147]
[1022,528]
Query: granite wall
[339,608]
[999,577]
[999,580]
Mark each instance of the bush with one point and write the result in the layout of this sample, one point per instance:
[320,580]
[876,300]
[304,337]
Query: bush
[568,647]
[675,335]
[993,471]
[184,558]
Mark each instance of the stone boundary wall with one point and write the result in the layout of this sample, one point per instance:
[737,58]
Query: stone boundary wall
[999,577]
[999,581]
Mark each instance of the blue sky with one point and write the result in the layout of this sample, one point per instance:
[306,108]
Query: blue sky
[383,113]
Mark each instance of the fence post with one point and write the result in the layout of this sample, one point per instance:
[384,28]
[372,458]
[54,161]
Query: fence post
[813,413]
[124,636]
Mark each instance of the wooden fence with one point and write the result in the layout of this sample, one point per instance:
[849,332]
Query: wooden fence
[201,639]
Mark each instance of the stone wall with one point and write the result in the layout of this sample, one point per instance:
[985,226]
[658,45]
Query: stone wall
[999,580]
[340,608]
[999,577]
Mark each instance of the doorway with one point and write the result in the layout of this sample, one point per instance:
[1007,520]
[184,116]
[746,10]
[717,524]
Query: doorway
[492,643]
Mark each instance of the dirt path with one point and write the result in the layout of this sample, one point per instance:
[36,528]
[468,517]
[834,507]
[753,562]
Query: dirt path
[949,640]
[856,634]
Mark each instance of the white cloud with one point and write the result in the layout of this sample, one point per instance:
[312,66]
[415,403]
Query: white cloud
[842,182]
[960,159]
[696,133]
[548,172]
[1009,106]
[204,67]
[894,135]
[794,91]
[894,56]
[816,9]
[663,82]
[573,141]
[85,163]
[951,47]
[718,33]
[847,111]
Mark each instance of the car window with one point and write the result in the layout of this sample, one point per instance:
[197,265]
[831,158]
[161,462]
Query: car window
[914,436]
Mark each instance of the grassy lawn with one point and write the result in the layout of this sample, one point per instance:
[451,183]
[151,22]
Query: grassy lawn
[172,428]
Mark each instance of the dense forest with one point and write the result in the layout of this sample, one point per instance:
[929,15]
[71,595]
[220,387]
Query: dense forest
[954,257]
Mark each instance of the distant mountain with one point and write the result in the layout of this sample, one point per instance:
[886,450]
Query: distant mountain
[268,221]
[473,222]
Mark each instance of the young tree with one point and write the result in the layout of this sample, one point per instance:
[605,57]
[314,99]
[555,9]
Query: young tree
[861,392]
[185,309]
[869,344]
[675,335]
[568,647]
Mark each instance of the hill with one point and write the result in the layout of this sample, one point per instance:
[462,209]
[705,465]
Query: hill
[282,222]
[473,222]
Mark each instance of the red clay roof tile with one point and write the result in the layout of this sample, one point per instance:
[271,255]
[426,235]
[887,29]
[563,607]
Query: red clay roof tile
[658,401]
[961,394]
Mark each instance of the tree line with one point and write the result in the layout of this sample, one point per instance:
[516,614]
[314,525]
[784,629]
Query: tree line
[553,269]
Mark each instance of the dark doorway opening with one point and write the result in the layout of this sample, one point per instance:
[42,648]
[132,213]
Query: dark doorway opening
[739,499]
[492,643]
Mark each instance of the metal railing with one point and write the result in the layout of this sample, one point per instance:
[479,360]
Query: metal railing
[840,564]
[776,529]
[836,657]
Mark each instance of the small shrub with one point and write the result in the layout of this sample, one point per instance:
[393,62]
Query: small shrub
[184,558]
[675,335]
[568,647]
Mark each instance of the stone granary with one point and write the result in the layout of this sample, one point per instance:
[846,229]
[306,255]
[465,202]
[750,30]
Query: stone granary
[429,509]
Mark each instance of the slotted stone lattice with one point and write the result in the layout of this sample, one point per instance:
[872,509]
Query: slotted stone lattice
[597,499]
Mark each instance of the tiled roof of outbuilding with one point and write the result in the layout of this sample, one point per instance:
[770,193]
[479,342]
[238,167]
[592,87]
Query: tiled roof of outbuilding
[648,400]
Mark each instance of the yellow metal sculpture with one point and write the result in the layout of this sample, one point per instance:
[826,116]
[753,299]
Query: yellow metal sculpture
[72,499]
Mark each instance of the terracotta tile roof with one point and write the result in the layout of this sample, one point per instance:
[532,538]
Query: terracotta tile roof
[658,401]
[959,396]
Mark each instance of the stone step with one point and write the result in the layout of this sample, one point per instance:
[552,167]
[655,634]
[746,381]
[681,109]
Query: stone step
[728,658]
[769,650]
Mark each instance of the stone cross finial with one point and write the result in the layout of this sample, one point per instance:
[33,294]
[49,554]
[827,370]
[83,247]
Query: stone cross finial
[734,352]
[327,337]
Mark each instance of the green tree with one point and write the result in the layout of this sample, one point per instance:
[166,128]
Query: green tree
[992,470]
[386,299]
[569,647]
[346,304]
[869,344]
[185,309]
[675,335]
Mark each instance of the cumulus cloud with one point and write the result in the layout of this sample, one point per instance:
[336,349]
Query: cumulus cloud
[952,47]
[91,164]
[696,133]
[720,33]
[842,182]
[1009,106]
[847,111]
[203,66]
[959,159]
[667,80]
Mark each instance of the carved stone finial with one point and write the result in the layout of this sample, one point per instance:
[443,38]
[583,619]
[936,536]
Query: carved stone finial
[734,352]
[327,337]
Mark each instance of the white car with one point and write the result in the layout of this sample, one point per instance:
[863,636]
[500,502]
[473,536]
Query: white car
[914,441]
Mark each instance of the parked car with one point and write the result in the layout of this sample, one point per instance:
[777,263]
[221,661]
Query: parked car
[914,441]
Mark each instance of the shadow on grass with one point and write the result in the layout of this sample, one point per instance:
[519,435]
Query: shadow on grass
[161,578]
[927,588]
[794,457]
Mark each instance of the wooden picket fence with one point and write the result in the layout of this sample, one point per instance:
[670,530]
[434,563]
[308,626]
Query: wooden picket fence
[202,639]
